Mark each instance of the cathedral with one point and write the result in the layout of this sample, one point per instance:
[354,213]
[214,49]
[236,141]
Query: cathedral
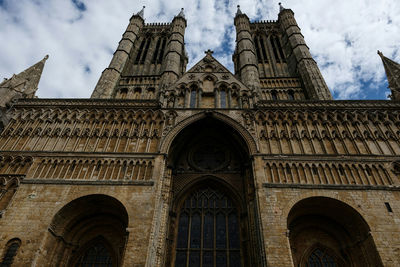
[165,166]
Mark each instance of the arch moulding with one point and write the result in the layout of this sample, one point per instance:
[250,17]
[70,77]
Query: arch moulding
[286,210]
[167,140]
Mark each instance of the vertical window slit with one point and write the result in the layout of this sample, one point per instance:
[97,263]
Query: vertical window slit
[257,50]
[275,50]
[278,42]
[154,60]
[146,50]
[140,51]
[161,54]
[264,52]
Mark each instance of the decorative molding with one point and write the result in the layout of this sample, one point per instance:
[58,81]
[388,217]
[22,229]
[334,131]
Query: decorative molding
[333,187]
[167,140]
[88,102]
[80,182]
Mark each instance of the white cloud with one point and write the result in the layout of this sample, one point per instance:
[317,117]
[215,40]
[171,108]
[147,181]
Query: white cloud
[342,35]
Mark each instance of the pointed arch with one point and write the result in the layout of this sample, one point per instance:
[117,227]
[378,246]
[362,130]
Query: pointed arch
[247,137]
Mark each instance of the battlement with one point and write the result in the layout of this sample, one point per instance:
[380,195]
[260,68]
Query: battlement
[158,24]
[263,21]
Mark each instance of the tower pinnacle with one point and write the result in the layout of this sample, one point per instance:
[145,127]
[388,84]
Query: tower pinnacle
[141,12]
[238,12]
[281,8]
[181,14]
[392,70]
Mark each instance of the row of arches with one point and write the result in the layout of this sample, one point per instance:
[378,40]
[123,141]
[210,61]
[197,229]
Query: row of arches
[195,96]
[85,169]
[328,173]
[136,93]
[90,231]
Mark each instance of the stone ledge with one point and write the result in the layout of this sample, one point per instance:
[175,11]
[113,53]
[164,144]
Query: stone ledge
[83,182]
[334,186]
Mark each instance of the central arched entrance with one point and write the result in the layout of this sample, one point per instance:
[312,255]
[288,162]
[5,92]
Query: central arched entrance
[213,216]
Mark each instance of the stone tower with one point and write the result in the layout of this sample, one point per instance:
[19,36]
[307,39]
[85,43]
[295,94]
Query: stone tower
[166,167]
[149,55]
[278,51]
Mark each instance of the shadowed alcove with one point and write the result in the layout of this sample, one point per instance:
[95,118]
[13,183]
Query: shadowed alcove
[329,233]
[88,231]
[213,214]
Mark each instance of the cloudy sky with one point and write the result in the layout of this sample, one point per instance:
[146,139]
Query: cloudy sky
[81,35]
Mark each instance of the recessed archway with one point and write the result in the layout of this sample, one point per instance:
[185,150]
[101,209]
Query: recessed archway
[87,230]
[210,163]
[327,232]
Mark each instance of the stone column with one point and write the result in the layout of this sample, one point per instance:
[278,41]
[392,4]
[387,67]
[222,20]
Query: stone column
[246,53]
[174,56]
[111,75]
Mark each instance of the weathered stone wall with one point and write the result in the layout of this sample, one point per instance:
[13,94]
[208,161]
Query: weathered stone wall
[33,207]
[276,203]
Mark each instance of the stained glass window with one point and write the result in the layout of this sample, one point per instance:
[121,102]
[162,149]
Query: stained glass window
[223,98]
[96,256]
[193,99]
[319,258]
[208,231]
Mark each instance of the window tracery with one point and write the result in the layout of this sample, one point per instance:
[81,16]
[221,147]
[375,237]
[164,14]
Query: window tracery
[208,230]
[320,258]
[96,255]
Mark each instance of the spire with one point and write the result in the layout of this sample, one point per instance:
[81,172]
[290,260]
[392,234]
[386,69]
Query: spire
[141,13]
[238,12]
[181,14]
[392,70]
[281,8]
[22,85]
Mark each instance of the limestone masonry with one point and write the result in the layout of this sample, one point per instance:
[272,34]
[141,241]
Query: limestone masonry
[165,166]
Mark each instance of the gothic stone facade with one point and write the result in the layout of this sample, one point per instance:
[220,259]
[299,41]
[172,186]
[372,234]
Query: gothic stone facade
[168,167]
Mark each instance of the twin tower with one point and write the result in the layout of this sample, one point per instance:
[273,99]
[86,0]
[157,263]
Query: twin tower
[271,62]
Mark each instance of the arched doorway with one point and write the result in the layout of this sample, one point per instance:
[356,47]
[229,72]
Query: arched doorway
[329,233]
[88,231]
[213,217]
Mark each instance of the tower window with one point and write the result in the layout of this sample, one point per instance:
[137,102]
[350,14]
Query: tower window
[139,54]
[154,60]
[274,49]
[278,42]
[161,54]
[256,44]
[145,51]
[264,51]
